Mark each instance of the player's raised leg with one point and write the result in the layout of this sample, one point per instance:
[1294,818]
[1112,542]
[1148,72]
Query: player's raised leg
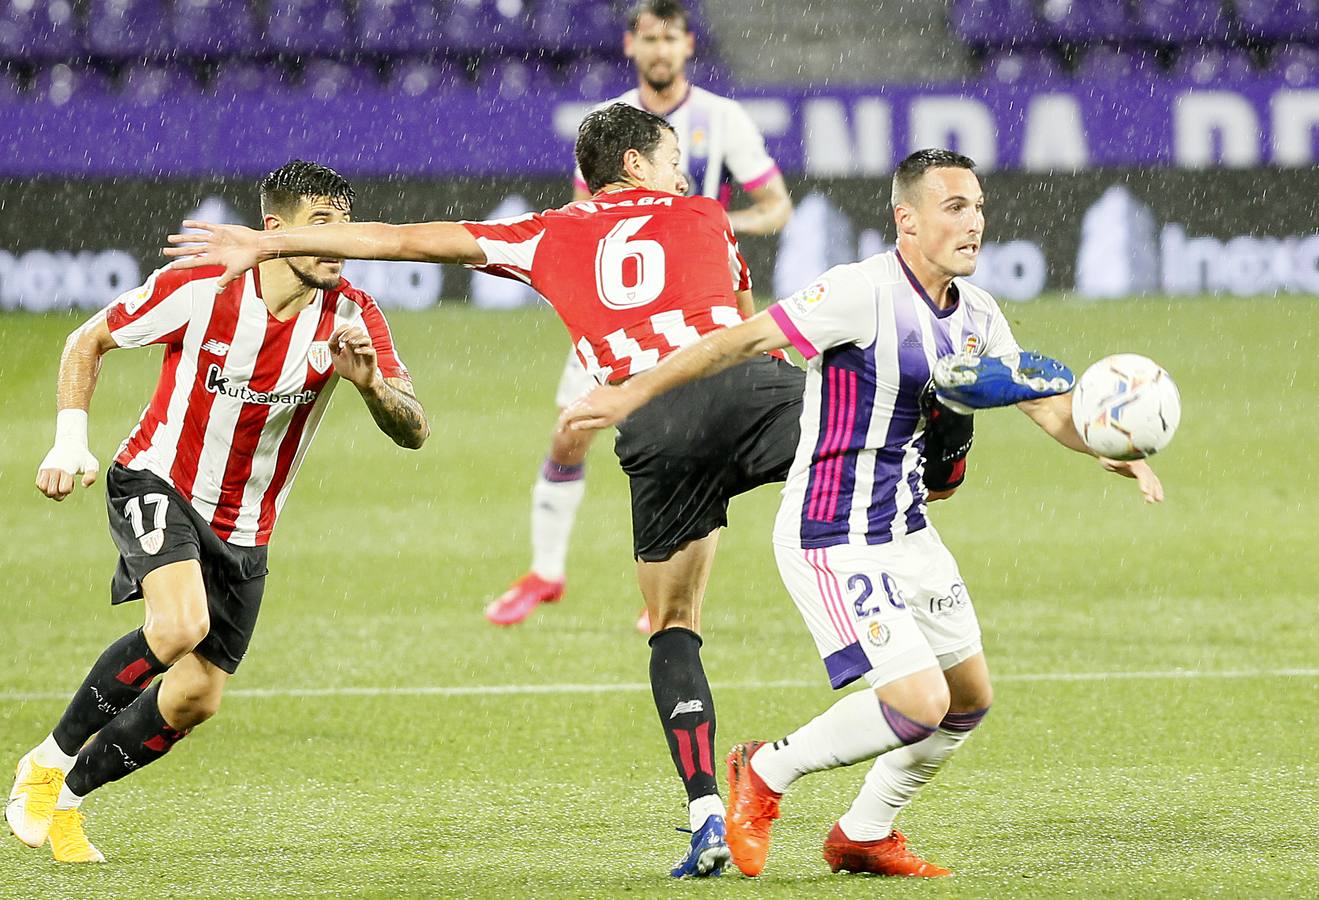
[176,622]
[673,589]
[557,494]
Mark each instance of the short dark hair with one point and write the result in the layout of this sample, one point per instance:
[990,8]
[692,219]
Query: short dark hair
[607,134]
[913,168]
[665,10]
[283,188]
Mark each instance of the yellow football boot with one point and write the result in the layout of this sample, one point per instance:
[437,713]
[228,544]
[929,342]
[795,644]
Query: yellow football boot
[32,801]
[68,842]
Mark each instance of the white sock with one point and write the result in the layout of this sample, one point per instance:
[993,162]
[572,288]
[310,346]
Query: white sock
[853,729]
[893,781]
[553,511]
[49,755]
[703,808]
[68,799]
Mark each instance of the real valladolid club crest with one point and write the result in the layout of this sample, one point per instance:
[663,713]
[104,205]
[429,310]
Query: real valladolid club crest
[972,343]
[319,356]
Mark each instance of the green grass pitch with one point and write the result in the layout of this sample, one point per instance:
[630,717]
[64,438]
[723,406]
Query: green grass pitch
[1094,776]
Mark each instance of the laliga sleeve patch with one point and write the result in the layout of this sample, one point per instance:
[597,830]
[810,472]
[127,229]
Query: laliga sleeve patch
[808,299]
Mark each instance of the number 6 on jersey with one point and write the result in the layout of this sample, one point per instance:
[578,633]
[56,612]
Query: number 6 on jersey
[612,256]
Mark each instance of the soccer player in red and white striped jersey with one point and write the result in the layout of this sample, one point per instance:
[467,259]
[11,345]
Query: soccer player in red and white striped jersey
[197,486]
[720,146]
[636,272]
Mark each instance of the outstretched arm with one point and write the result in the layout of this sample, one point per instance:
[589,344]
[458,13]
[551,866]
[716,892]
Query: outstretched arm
[238,248]
[80,363]
[1054,415]
[610,404]
[392,401]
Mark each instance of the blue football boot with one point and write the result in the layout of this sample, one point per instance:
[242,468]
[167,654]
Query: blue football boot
[709,851]
[965,382]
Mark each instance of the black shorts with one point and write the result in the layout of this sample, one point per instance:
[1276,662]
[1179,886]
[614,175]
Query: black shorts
[688,452]
[152,525]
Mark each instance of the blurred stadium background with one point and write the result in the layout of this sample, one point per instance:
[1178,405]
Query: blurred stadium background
[1154,728]
[1158,146]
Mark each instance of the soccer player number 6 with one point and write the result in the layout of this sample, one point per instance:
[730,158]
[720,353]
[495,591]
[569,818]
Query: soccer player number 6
[628,272]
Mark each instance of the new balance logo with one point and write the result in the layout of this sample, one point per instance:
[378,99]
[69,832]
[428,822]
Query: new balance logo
[913,339]
[219,348]
[687,706]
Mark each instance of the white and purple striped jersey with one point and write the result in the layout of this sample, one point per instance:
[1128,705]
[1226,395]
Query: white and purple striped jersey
[870,334]
[718,141]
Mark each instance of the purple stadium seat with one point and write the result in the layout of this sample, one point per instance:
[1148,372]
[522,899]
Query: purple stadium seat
[60,83]
[1183,21]
[1023,66]
[38,30]
[513,78]
[311,27]
[398,27]
[1108,64]
[1087,20]
[1214,65]
[325,79]
[128,28]
[995,22]
[215,28]
[239,78]
[1279,19]
[578,26]
[473,26]
[1296,64]
[10,90]
[422,78]
[598,79]
[146,85]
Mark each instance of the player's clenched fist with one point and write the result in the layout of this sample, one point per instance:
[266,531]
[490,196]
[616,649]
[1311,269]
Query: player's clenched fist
[68,458]
[354,355]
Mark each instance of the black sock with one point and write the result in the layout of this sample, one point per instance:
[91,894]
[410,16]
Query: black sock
[136,737]
[119,677]
[685,707]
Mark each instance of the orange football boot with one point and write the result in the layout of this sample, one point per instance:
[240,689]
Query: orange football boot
[752,809]
[888,856]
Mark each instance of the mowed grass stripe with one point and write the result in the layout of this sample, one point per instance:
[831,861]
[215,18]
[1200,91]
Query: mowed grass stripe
[482,690]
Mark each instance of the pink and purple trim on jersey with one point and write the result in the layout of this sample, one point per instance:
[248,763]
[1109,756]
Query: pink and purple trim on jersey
[847,399]
[792,333]
[761,180]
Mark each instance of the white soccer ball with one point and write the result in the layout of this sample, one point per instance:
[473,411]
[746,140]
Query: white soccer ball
[1126,407]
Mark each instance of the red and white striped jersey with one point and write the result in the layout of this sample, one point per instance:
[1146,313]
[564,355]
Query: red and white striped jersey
[634,274]
[240,393]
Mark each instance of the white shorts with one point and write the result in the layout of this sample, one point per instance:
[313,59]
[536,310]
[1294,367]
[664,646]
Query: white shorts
[574,383]
[885,611]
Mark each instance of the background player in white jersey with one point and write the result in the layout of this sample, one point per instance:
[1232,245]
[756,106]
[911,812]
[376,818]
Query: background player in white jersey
[880,594]
[196,488]
[720,145]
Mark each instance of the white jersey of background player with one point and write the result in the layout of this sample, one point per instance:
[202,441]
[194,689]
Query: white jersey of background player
[720,145]
[879,592]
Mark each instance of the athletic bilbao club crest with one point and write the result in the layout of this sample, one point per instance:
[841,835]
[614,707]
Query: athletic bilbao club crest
[152,541]
[877,633]
[972,344]
[319,356]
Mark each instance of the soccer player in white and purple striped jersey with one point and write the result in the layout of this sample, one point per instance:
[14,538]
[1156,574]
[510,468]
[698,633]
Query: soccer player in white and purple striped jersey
[879,592]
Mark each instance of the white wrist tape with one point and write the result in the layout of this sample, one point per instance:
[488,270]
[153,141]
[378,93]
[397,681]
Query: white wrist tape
[71,427]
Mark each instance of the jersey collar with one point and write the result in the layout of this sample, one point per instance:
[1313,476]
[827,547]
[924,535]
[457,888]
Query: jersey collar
[916,284]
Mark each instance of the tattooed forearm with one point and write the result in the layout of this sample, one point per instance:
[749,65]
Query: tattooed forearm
[397,412]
